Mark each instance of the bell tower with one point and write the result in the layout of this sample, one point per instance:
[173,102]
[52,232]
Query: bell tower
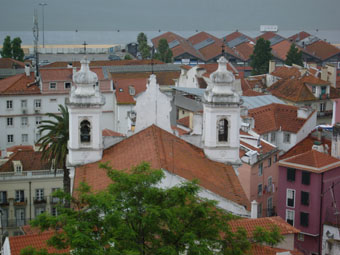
[85,144]
[221,117]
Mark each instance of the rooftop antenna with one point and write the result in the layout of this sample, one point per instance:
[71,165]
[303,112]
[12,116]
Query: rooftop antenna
[85,47]
[36,41]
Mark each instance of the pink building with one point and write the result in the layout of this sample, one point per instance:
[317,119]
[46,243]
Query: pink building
[308,193]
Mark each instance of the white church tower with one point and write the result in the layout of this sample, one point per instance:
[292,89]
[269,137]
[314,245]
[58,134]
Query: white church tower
[85,143]
[221,117]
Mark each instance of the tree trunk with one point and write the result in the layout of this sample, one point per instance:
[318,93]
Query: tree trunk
[67,184]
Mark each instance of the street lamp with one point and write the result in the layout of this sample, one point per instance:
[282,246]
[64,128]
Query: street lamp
[43,22]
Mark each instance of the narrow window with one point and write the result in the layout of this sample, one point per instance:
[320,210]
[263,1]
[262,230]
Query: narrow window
[259,189]
[67,85]
[259,210]
[9,104]
[305,178]
[304,219]
[290,198]
[24,138]
[290,174]
[223,130]
[272,137]
[53,85]
[269,162]
[85,131]
[304,198]
[9,122]
[290,215]
[261,169]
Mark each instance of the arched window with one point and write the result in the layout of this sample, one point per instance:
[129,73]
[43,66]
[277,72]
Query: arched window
[85,131]
[223,130]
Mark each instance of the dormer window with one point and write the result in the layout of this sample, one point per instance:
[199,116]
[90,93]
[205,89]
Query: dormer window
[85,131]
[132,90]
[17,167]
[223,130]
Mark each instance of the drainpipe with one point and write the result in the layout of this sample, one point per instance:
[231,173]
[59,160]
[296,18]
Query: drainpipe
[320,218]
[30,191]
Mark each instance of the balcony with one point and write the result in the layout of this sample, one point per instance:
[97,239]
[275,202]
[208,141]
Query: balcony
[20,202]
[39,200]
[4,202]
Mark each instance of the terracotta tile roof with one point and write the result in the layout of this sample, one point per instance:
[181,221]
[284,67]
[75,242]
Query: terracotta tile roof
[108,132]
[281,49]
[311,160]
[17,85]
[235,35]
[16,148]
[266,35]
[38,241]
[299,36]
[65,74]
[122,89]
[163,78]
[274,117]
[306,145]
[184,121]
[212,67]
[31,160]
[29,230]
[9,63]
[286,72]
[266,223]
[180,131]
[183,47]
[156,146]
[322,49]
[257,249]
[334,93]
[252,93]
[100,63]
[311,79]
[244,50]
[294,90]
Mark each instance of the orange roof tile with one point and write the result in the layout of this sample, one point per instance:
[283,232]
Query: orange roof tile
[165,151]
[274,117]
[244,50]
[257,249]
[281,49]
[266,35]
[122,89]
[108,132]
[16,148]
[299,36]
[322,49]
[286,72]
[38,241]
[180,130]
[266,223]
[312,160]
[9,63]
[163,78]
[184,121]
[31,160]
[18,85]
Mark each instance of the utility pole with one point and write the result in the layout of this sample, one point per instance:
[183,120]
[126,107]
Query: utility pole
[43,22]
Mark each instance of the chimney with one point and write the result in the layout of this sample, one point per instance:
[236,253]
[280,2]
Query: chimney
[271,66]
[27,70]
[69,65]
[253,212]
[336,141]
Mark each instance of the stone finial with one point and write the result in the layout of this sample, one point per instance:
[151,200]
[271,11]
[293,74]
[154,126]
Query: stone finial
[85,79]
[222,75]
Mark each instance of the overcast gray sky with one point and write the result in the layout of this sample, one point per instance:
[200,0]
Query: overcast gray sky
[144,15]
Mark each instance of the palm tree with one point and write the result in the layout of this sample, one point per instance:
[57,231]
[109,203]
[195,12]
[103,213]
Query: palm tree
[54,142]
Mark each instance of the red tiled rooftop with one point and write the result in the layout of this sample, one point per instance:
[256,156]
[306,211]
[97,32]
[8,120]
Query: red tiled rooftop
[257,249]
[322,49]
[266,35]
[108,132]
[285,72]
[9,63]
[244,50]
[18,85]
[184,121]
[299,36]
[16,148]
[266,223]
[163,78]
[122,89]
[274,117]
[281,49]
[38,241]
[156,146]
[312,160]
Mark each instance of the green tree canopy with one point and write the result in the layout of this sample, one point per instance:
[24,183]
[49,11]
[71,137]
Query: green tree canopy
[294,56]
[135,216]
[142,38]
[54,142]
[7,48]
[261,56]
[164,52]
[17,51]
[143,46]
[127,57]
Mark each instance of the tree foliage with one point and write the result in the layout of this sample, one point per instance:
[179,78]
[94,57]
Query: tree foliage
[54,142]
[294,56]
[261,56]
[127,57]
[7,48]
[135,216]
[143,46]
[164,52]
[17,51]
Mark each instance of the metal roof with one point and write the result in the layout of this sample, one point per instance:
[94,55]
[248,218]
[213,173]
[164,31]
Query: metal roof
[192,91]
[237,41]
[204,43]
[258,101]
[276,39]
[173,43]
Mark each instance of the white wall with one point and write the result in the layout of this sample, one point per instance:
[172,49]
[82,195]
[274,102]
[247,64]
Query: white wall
[330,232]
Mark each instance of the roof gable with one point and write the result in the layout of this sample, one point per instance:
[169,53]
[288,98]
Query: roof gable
[19,84]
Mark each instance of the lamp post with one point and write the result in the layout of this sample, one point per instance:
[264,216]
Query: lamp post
[43,21]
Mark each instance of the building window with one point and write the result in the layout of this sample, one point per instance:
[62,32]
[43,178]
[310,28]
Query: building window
[132,90]
[54,211]
[37,104]
[272,137]
[301,237]
[270,184]
[39,194]
[39,210]
[275,158]
[265,137]
[20,217]
[23,104]
[313,89]
[9,104]
[259,189]
[24,121]
[261,169]
[270,211]
[38,120]
[304,198]
[10,138]
[290,174]
[52,100]
[9,122]
[18,169]
[290,215]
[290,198]
[259,210]
[24,138]
[53,85]
[3,217]
[19,196]
[286,137]
[305,178]
[269,162]
[304,219]
[322,107]
[85,131]
[3,197]
[223,130]
[67,85]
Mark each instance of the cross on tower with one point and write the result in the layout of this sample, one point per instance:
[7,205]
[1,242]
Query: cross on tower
[85,47]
